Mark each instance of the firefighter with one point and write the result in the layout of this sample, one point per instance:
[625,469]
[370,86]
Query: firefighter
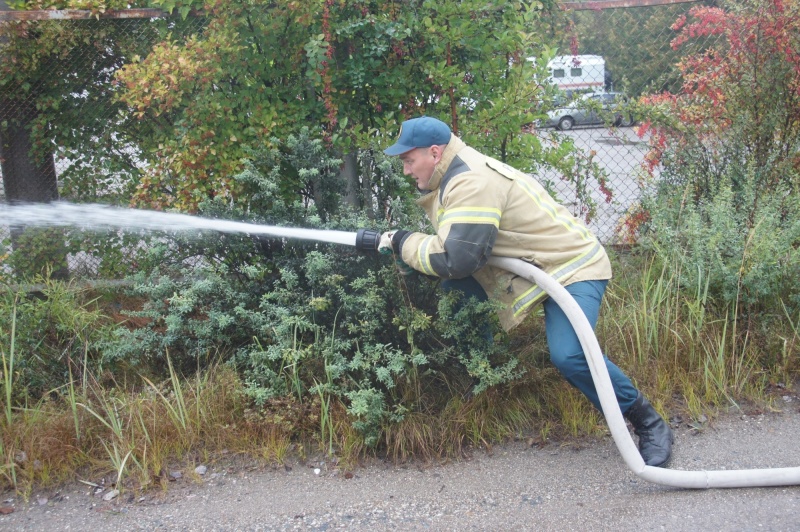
[481,207]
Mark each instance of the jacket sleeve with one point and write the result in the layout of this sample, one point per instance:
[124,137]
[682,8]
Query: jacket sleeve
[467,222]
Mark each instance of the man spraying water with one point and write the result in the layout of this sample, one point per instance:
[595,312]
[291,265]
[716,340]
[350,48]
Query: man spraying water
[481,207]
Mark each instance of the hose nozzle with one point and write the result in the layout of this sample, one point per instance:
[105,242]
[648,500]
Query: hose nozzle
[367,240]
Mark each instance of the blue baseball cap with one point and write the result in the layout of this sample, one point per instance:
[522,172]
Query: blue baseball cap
[422,132]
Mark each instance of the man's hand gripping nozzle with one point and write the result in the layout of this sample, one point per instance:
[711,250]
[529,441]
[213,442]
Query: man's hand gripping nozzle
[370,241]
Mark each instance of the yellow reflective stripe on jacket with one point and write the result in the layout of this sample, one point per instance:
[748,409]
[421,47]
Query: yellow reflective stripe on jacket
[547,204]
[534,294]
[425,255]
[470,215]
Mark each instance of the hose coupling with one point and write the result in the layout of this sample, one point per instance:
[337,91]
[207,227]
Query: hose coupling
[367,240]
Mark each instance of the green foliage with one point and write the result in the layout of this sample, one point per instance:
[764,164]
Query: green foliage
[64,70]
[261,70]
[634,43]
[36,251]
[185,102]
[725,202]
[57,331]
[368,408]
[96,6]
[324,315]
[59,74]
[194,318]
[184,7]
[739,239]
[345,320]
[304,319]
[44,251]
[486,361]
[678,342]
[294,180]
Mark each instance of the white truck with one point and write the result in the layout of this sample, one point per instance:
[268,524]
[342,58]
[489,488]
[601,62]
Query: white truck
[578,73]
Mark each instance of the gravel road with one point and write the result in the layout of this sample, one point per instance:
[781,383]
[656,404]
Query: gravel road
[584,486]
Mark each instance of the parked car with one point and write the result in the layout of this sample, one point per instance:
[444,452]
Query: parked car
[592,109]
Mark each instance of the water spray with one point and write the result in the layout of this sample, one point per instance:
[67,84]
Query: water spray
[95,217]
[98,217]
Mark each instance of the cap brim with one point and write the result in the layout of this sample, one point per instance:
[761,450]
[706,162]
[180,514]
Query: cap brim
[397,149]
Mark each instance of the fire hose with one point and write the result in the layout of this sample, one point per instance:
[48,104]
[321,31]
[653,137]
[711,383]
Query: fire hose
[368,240]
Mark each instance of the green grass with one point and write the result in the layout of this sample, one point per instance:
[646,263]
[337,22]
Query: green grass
[680,345]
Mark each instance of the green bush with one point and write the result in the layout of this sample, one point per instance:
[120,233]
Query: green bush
[305,318]
[56,333]
[719,228]
[322,318]
[36,251]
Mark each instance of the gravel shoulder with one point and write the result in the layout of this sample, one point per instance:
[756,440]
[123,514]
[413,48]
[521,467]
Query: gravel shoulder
[584,486]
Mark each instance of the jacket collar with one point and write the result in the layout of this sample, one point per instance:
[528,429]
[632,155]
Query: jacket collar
[451,150]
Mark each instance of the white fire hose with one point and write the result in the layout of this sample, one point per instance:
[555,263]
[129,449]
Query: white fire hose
[608,401]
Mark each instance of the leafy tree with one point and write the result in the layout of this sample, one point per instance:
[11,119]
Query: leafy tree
[57,101]
[750,85]
[181,115]
[56,90]
[28,177]
[261,70]
[724,205]
[744,91]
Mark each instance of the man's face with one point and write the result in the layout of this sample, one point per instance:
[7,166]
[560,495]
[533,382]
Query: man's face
[419,163]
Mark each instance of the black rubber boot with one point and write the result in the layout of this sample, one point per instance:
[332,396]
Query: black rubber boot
[655,436]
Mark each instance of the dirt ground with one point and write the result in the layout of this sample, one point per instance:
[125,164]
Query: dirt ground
[574,486]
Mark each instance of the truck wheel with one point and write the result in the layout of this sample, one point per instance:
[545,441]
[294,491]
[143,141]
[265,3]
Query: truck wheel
[566,123]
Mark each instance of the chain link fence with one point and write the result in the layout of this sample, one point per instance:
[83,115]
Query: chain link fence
[615,55]
[618,53]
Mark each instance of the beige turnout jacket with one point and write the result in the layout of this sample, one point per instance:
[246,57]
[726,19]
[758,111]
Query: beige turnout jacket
[481,207]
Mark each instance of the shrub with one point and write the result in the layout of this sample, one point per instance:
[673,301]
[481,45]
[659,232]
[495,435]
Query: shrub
[57,330]
[738,241]
[723,209]
[303,318]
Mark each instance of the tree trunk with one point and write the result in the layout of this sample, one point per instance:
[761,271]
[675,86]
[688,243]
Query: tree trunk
[350,177]
[24,178]
[27,178]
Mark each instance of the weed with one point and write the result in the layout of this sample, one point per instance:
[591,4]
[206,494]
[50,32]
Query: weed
[8,366]
[176,407]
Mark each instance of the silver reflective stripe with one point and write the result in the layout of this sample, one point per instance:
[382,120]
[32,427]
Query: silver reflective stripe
[535,293]
[424,255]
[470,215]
